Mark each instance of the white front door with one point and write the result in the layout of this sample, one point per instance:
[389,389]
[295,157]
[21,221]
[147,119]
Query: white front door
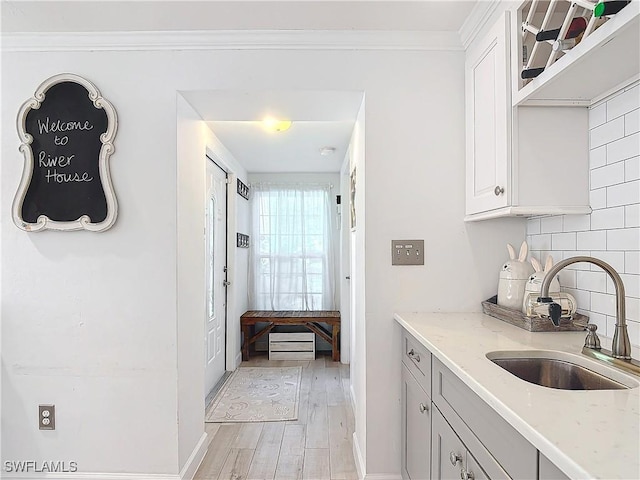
[216,268]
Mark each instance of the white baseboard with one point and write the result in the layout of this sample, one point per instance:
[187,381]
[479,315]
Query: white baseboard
[357,456]
[352,397]
[85,476]
[361,469]
[195,459]
[187,473]
[238,360]
[382,476]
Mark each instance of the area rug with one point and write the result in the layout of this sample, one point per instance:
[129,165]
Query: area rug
[258,394]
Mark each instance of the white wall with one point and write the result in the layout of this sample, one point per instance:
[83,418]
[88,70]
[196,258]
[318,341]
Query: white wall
[612,231]
[190,266]
[104,329]
[357,238]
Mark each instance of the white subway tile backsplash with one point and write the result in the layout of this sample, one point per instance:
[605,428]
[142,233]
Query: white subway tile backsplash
[633,309]
[606,133]
[599,320]
[623,194]
[603,303]
[573,253]
[623,239]
[567,278]
[540,242]
[615,259]
[632,169]
[606,176]
[632,122]
[623,103]
[631,285]
[632,262]
[595,240]
[598,157]
[623,148]
[592,281]
[632,215]
[551,224]
[563,241]
[583,298]
[634,332]
[576,223]
[607,218]
[533,226]
[598,115]
[598,198]
[612,231]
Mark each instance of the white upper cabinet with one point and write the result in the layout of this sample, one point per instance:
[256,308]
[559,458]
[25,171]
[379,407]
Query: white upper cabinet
[487,120]
[523,158]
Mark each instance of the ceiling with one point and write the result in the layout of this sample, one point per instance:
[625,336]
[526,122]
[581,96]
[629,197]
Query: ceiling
[320,119]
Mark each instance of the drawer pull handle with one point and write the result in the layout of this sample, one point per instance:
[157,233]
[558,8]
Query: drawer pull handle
[454,458]
[413,355]
[423,408]
[464,475]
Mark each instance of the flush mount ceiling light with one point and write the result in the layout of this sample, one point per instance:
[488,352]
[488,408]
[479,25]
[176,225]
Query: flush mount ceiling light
[273,125]
[326,151]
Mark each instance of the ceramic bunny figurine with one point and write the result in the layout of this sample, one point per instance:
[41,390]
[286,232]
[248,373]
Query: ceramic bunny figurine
[513,277]
[534,283]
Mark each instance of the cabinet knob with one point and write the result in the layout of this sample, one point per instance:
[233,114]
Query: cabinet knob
[423,408]
[464,475]
[498,190]
[413,355]
[454,458]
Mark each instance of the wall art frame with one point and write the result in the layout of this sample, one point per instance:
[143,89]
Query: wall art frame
[76,132]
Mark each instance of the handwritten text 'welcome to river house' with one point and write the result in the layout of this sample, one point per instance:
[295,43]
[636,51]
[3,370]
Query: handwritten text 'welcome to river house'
[52,163]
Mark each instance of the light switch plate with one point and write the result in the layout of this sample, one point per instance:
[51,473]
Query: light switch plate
[407,252]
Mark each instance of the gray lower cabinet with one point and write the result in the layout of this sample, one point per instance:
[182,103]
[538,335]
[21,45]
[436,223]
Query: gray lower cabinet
[548,471]
[416,428]
[451,460]
[449,432]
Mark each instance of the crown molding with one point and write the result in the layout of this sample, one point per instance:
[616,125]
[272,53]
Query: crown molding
[230,40]
[482,11]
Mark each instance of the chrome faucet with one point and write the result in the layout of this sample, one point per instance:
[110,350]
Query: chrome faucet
[621,347]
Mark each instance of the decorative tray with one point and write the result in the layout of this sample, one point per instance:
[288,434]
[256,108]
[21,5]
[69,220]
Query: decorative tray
[532,324]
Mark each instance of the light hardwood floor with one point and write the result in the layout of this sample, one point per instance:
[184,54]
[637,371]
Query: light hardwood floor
[317,446]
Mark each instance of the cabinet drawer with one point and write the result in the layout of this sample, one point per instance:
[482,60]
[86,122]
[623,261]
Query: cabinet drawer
[418,361]
[480,426]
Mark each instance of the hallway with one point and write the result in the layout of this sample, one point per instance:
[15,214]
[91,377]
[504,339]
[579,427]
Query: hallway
[317,446]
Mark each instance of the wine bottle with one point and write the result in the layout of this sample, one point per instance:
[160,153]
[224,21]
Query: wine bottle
[576,27]
[606,7]
[531,73]
[567,44]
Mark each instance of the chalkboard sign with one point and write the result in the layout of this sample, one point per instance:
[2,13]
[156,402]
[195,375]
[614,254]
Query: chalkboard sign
[67,133]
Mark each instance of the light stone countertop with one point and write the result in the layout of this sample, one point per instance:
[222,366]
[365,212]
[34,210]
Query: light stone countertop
[587,434]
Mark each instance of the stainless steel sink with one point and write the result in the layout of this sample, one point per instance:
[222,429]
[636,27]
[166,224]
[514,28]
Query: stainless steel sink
[561,370]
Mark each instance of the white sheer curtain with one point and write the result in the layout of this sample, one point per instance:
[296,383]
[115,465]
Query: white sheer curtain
[292,254]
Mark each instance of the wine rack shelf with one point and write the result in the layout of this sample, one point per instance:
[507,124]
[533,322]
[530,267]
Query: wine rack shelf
[607,55]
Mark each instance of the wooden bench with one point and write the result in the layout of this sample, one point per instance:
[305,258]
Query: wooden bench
[309,320]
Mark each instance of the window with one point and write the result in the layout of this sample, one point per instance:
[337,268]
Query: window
[292,264]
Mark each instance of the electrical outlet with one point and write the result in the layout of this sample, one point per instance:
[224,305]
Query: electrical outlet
[407,252]
[47,417]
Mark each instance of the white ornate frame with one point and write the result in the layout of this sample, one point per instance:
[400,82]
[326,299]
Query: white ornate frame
[84,222]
